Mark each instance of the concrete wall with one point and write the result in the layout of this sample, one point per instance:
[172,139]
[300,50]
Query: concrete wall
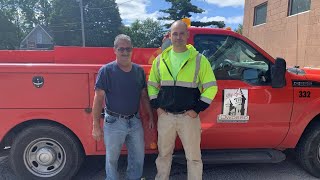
[295,38]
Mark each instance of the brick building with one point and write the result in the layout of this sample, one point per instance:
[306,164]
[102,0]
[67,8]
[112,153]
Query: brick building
[285,28]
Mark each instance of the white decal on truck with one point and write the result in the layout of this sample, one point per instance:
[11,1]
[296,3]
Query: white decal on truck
[235,106]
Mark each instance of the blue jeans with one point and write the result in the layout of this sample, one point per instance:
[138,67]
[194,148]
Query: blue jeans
[118,131]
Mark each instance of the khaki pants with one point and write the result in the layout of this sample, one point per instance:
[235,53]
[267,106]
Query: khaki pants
[189,131]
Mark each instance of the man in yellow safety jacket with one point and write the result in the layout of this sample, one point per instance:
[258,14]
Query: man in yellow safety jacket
[181,84]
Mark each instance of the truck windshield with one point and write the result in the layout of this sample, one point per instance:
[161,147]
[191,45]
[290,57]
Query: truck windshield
[229,56]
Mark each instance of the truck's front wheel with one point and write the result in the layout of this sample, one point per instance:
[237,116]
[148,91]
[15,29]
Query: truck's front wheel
[45,151]
[308,150]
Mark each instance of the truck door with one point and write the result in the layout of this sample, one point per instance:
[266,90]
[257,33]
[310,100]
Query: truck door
[247,112]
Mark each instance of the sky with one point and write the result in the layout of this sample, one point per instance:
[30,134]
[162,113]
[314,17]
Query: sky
[229,11]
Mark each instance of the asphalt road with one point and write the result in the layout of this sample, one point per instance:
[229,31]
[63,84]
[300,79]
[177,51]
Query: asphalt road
[93,169]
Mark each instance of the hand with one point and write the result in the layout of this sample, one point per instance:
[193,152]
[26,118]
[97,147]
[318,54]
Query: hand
[160,111]
[151,122]
[97,133]
[191,113]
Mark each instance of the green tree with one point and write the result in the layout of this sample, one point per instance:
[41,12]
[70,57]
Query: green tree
[102,22]
[182,9]
[44,9]
[65,23]
[8,33]
[27,13]
[145,34]
[239,29]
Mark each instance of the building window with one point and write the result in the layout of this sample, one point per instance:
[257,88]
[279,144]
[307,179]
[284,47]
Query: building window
[260,14]
[298,6]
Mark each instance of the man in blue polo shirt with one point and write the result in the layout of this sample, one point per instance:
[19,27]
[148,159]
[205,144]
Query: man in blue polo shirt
[121,84]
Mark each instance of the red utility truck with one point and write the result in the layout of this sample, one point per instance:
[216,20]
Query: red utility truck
[261,108]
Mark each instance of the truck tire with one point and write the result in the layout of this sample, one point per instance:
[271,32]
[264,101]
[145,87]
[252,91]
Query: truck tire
[308,150]
[45,152]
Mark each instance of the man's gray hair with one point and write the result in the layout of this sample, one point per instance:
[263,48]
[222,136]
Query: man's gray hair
[121,37]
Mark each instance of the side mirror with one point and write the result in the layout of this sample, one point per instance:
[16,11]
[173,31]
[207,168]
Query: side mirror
[278,72]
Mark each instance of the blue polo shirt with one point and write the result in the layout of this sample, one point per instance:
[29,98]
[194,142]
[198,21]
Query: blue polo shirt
[122,89]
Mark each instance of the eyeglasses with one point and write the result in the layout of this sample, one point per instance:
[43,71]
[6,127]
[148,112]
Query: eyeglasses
[122,49]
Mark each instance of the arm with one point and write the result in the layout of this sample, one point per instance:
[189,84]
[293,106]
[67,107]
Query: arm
[98,104]
[146,104]
[96,111]
[209,87]
[154,84]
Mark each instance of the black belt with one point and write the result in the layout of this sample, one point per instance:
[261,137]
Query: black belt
[117,115]
[176,112]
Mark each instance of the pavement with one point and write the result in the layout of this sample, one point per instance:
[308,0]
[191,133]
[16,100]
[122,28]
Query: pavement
[93,169]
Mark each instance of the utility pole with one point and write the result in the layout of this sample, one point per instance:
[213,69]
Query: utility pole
[82,23]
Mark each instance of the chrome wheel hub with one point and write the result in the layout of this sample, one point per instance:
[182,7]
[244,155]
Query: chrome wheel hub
[44,157]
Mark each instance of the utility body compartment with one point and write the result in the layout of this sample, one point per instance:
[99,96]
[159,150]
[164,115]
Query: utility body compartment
[55,90]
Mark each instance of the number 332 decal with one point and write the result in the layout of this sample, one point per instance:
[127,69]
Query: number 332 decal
[304,94]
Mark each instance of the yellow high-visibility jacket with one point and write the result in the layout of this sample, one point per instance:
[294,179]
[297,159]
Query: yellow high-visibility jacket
[194,88]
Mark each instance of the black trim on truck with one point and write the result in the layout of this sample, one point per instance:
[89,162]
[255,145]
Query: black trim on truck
[299,83]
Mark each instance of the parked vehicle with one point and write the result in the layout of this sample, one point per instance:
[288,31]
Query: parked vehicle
[261,108]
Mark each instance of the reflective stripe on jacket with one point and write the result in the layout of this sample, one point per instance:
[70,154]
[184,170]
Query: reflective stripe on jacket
[194,88]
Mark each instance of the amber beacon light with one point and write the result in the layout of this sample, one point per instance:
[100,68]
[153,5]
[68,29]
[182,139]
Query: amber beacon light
[187,21]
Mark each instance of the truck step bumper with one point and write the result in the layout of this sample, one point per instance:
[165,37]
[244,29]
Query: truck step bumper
[236,156]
